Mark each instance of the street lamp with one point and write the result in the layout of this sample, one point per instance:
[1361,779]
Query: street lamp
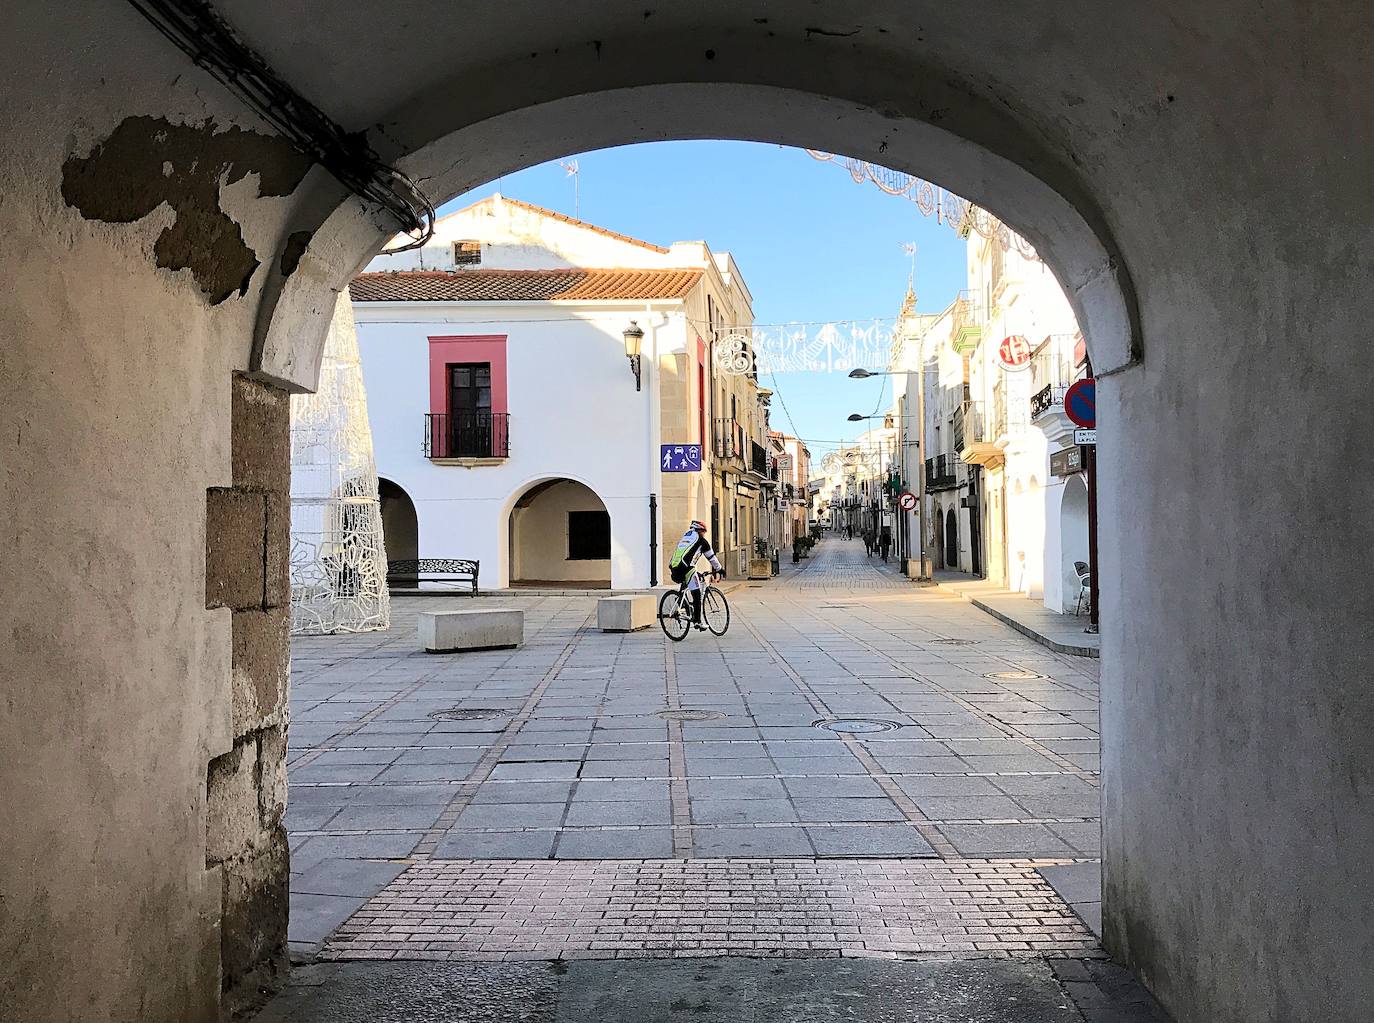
[634,339]
[863,374]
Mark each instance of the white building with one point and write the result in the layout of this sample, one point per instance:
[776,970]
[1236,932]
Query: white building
[509,425]
[1006,499]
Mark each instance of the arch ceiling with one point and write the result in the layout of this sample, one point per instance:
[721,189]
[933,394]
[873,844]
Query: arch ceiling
[847,91]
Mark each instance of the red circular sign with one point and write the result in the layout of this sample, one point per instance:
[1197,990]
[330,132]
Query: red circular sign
[1080,403]
[907,500]
[1014,352]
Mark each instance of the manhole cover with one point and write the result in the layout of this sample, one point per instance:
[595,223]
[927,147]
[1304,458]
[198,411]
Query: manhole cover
[468,714]
[955,642]
[1011,675]
[689,715]
[856,724]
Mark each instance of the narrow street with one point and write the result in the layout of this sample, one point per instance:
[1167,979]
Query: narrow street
[616,796]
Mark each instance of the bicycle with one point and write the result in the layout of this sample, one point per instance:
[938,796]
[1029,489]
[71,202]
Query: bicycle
[675,610]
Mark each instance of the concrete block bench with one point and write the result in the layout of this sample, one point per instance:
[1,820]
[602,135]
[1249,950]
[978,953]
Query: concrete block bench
[444,632]
[625,614]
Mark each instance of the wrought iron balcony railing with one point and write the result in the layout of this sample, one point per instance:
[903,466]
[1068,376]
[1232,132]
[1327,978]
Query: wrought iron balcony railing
[758,458]
[970,425]
[467,435]
[1045,399]
[942,472]
[966,319]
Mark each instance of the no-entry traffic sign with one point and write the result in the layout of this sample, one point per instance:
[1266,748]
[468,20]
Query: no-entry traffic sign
[907,500]
[1080,403]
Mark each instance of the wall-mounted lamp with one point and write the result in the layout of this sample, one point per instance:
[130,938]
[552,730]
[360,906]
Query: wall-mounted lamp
[634,340]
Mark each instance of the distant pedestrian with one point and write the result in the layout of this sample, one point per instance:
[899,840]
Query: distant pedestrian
[868,543]
[886,543]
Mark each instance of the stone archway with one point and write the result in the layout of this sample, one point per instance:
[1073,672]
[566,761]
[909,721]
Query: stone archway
[400,522]
[559,534]
[1073,537]
[123,303]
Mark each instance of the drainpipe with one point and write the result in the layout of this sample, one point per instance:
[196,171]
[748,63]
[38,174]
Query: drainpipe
[653,539]
[652,321]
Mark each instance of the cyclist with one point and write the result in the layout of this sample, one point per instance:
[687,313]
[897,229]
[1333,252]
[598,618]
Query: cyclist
[683,566]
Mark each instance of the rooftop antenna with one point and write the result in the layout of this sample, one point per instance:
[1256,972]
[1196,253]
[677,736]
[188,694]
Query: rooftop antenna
[574,172]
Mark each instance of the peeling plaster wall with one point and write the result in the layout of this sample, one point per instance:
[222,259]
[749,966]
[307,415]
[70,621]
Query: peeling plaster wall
[116,392]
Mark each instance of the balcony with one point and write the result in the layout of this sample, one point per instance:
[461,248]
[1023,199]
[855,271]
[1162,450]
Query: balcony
[1009,419]
[966,318]
[729,439]
[942,472]
[973,435]
[1045,399]
[467,435]
[758,460]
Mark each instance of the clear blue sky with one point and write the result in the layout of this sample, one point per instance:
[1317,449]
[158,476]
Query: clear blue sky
[811,243]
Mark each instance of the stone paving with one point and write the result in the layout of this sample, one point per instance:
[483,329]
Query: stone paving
[1053,990]
[584,746]
[871,908]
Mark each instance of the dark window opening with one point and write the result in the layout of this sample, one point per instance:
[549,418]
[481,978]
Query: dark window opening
[467,253]
[589,536]
[469,409]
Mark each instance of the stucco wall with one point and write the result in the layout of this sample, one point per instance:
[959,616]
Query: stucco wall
[539,536]
[574,413]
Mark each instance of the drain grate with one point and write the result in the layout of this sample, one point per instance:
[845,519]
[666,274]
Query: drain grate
[689,715]
[856,724]
[1014,675]
[468,714]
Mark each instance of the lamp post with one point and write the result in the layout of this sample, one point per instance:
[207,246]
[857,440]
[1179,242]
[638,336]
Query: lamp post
[634,341]
[922,575]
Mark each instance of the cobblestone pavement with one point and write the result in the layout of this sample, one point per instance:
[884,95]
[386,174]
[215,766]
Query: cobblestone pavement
[871,908]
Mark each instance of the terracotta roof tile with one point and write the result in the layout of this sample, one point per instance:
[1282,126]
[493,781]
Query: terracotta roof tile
[522,285]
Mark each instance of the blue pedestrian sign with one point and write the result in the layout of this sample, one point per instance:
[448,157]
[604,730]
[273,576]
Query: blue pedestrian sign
[680,457]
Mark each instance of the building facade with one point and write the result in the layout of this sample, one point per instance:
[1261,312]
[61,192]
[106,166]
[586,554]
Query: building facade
[1006,497]
[543,398]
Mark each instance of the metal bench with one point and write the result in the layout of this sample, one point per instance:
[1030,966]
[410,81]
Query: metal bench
[432,570]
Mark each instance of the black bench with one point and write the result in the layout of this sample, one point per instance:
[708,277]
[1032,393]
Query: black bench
[432,570]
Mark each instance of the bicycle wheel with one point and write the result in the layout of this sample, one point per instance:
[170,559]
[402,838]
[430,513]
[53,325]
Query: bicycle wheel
[674,615]
[716,611]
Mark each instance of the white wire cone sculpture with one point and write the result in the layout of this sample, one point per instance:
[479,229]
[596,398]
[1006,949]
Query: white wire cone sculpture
[338,561]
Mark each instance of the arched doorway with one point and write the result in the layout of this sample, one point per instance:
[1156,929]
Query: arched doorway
[559,534]
[939,538]
[952,539]
[400,525]
[1073,537]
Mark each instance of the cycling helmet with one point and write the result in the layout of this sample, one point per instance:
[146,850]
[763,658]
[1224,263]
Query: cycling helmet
[698,525]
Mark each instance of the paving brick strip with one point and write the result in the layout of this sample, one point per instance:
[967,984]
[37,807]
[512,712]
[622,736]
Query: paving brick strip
[859,908]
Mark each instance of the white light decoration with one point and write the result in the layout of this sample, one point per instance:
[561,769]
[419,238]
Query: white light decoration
[338,562]
[835,347]
[932,200]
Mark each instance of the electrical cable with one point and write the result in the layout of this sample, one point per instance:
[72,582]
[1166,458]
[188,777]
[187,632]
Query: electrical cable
[199,31]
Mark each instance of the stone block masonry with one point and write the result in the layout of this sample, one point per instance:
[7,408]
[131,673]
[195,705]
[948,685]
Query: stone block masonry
[247,542]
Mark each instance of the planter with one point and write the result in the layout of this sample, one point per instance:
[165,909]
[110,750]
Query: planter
[760,568]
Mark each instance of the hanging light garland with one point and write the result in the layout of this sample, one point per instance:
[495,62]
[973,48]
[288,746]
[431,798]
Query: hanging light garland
[932,200]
